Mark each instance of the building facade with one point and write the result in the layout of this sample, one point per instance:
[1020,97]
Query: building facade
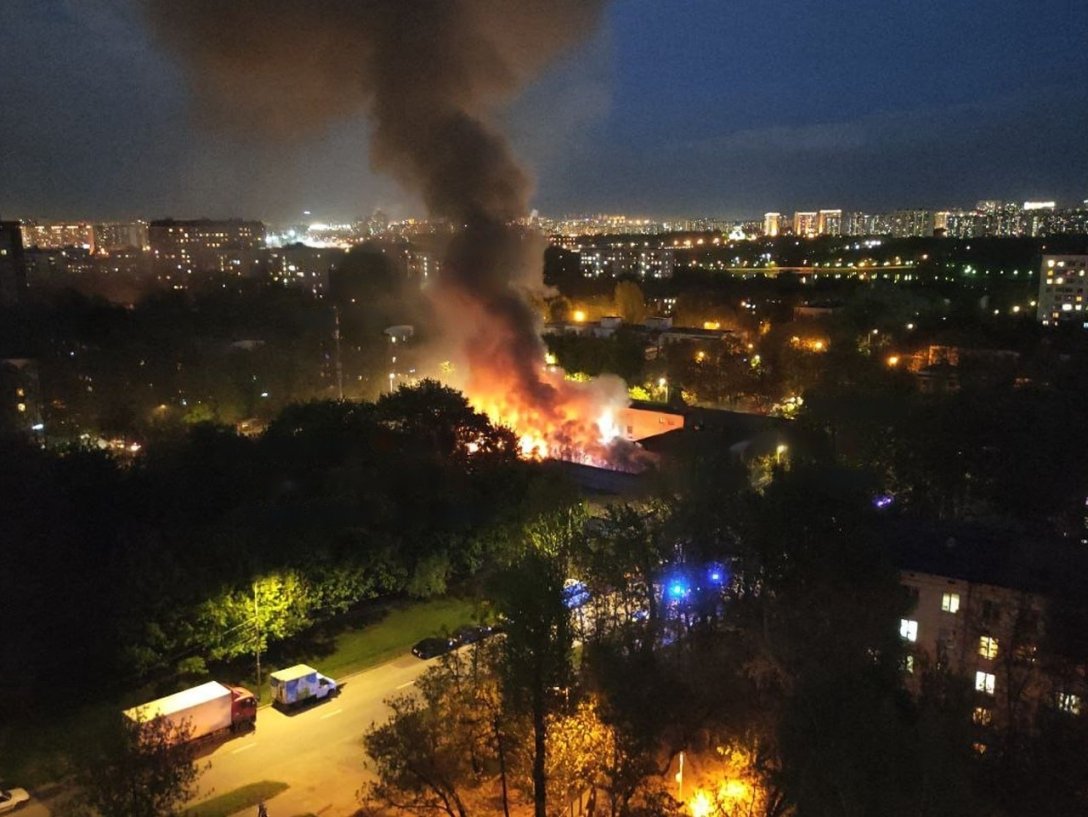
[911,223]
[58,235]
[182,248]
[984,609]
[12,262]
[829,222]
[806,223]
[598,260]
[120,235]
[1063,290]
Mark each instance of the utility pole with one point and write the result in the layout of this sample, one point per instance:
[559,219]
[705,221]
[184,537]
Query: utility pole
[257,627]
[339,364]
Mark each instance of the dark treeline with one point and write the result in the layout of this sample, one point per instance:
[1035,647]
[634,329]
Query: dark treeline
[115,573]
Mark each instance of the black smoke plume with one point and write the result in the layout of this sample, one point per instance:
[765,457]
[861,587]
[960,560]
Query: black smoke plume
[428,72]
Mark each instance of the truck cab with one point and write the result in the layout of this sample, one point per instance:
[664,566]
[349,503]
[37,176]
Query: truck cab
[243,709]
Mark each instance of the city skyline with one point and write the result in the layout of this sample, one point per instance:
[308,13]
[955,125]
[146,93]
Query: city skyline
[730,117]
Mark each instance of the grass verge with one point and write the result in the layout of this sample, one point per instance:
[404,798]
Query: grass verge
[232,802]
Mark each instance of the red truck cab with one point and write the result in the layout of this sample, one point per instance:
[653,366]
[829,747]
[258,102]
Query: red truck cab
[243,709]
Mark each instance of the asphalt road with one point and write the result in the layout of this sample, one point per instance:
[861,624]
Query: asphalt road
[317,751]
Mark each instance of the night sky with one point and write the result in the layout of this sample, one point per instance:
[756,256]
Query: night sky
[674,107]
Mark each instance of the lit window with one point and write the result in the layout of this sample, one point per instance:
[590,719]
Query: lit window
[1067,702]
[985,682]
[908,663]
[908,629]
[950,602]
[987,647]
[979,747]
[983,716]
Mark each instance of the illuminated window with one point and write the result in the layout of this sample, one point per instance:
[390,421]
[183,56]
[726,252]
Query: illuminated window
[983,716]
[908,663]
[985,682]
[987,647]
[979,747]
[908,629]
[1067,702]
[950,602]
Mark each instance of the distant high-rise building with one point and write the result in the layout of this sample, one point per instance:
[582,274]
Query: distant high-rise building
[1003,218]
[303,267]
[180,248]
[422,265]
[1038,217]
[963,224]
[614,261]
[829,222]
[121,235]
[20,397]
[911,223]
[806,223]
[58,235]
[1063,290]
[772,224]
[12,262]
[860,224]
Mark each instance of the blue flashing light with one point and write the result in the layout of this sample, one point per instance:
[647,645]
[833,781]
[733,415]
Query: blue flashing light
[677,590]
[883,501]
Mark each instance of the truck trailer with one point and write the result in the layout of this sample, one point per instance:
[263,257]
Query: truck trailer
[299,684]
[209,709]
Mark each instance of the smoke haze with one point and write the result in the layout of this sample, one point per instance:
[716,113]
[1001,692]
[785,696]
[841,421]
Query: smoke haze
[428,72]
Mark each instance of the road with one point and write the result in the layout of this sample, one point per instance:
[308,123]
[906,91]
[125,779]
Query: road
[317,751]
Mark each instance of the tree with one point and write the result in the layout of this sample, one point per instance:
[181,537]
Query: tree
[629,302]
[536,656]
[138,768]
[441,741]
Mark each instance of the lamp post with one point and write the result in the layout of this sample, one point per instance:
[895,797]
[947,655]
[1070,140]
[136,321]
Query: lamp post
[257,628]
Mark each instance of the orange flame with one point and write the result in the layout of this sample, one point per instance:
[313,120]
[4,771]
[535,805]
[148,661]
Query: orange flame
[577,423]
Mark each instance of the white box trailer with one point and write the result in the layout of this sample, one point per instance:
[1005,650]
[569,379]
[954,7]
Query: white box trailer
[205,708]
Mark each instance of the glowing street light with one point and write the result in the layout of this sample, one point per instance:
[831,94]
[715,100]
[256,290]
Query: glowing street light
[579,316]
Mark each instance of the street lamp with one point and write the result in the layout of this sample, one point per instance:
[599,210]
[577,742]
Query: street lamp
[257,628]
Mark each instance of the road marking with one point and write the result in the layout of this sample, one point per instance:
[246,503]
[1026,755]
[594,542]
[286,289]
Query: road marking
[243,748]
[402,686]
[332,714]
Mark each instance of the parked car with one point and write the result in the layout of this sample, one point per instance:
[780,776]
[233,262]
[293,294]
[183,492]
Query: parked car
[472,634]
[11,799]
[433,647]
